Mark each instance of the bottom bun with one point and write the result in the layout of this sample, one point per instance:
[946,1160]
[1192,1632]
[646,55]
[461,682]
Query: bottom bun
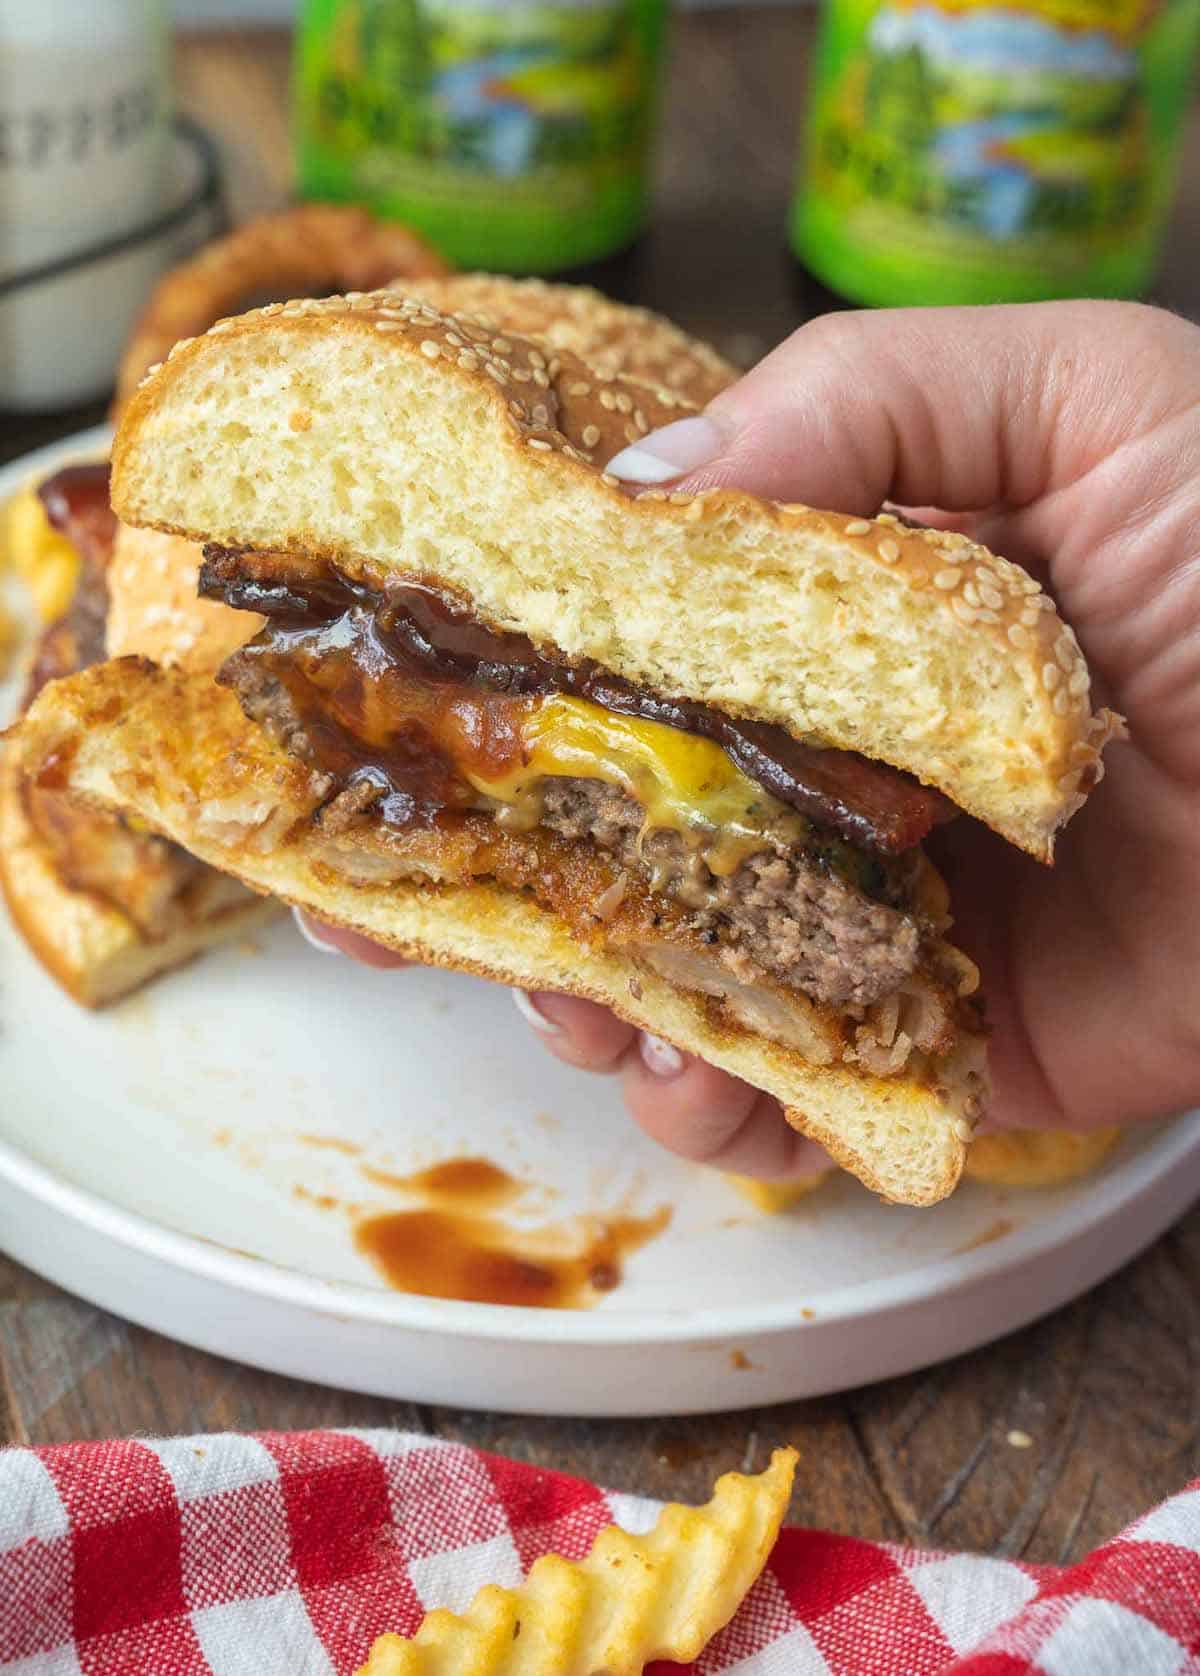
[177,753]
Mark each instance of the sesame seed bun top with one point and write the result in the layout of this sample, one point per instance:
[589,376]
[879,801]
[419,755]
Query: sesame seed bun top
[400,439]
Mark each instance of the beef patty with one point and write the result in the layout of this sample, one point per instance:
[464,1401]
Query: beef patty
[778,912]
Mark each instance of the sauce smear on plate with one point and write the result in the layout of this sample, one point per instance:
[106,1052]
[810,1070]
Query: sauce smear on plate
[452,1248]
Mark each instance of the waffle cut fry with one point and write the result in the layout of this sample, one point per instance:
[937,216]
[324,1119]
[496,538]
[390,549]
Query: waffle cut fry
[632,1600]
[1038,1157]
[44,560]
[773,1197]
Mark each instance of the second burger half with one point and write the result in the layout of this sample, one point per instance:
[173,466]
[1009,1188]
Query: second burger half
[676,753]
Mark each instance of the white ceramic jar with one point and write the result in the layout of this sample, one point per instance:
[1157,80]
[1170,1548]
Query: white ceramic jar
[84,158]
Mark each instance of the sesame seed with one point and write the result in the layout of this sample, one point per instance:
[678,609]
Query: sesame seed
[607,477]
[641,423]
[579,388]
[537,358]
[886,518]
[1028,618]
[888,550]
[971,594]
[857,526]
[1078,683]
[353,297]
[591,435]
[516,410]
[1051,676]
[502,346]
[540,379]
[554,366]
[992,598]
[679,498]
[1043,602]
[695,511]
[388,326]
[540,413]
[607,400]
[453,338]
[1064,652]
[468,362]
[1019,636]
[985,614]
[574,454]
[632,434]
[272,309]
[624,402]
[493,371]
[1020,1440]
[1062,702]
[946,579]
[962,610]
[653,494]
[962,1129]
[539,444]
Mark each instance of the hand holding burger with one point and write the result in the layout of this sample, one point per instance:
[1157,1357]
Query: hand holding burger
[1067,436]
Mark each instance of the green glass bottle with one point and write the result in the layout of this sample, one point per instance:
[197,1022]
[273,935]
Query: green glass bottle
[957,151]
[514,135]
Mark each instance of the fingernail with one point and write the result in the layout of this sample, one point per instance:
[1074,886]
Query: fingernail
[533,1015]
[311,936]
[659,1056]
[668,453]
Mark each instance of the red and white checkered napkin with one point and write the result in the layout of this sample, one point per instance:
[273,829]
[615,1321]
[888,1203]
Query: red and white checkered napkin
[286,1554]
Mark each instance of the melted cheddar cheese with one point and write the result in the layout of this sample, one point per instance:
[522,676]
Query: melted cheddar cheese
[685,784]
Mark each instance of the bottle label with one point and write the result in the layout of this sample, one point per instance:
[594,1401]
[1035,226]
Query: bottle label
[513,134]
[969,152]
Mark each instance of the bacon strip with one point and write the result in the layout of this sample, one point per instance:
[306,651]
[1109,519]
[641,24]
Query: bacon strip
[869,803]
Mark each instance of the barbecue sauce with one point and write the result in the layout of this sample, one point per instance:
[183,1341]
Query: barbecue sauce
[452,1248]
[451,1254]
[463,1182]
[374,676]
[76,502]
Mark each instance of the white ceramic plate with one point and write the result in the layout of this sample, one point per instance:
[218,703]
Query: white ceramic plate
[153,1160]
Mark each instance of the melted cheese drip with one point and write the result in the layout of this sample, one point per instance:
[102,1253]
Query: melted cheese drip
[685,784]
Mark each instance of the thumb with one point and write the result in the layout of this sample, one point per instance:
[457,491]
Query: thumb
[961,408]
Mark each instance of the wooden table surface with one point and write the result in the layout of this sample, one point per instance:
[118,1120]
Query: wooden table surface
[1108,1388]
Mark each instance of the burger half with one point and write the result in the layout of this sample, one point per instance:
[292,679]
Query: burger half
[675,753]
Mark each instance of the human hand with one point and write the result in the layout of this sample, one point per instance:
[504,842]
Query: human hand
[1067,436]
